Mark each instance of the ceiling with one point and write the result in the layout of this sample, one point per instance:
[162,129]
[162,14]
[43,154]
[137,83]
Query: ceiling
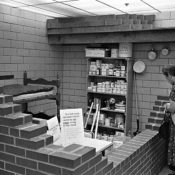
[77,8]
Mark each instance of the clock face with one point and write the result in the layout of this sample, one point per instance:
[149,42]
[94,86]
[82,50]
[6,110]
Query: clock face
[152,55]
[165,51]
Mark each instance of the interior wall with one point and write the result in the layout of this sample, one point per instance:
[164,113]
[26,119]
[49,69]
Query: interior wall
[150,83]
[24,46]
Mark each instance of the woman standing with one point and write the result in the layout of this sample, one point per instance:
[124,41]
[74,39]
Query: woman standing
[169,73]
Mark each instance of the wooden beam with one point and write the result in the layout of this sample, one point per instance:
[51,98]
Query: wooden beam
[156,35]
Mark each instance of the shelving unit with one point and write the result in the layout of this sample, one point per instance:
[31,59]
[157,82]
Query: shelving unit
[110,79]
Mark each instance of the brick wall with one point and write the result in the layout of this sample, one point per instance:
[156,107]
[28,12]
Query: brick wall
[26,149]
[24,46]
[144,154]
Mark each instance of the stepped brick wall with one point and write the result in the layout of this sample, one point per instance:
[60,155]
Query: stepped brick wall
[156,116]
[26,149]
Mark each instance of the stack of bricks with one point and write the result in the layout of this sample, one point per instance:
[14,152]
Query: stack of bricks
[100,24]
[26,149]
[157,115]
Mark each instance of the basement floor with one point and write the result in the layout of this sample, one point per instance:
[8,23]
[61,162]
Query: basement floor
[165,171]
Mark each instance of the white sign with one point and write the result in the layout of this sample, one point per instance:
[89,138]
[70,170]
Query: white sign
[72,130]
[53,128]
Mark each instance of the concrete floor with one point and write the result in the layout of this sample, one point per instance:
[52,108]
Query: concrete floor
[165,171]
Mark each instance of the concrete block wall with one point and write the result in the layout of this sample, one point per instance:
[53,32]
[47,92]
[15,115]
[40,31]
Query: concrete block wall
[24,46]
[74,77]
[151,83]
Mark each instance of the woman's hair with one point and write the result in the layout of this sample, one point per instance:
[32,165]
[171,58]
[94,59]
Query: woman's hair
[169,70]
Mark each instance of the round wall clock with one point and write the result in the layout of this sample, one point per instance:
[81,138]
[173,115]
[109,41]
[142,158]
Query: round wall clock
[165,51]
[152,55]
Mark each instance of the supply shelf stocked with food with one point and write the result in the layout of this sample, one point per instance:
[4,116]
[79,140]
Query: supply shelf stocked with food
[109,83]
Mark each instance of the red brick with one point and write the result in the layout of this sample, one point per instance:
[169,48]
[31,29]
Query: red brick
[101,164]
[11,121]
[17,108]
[34,172]
[7,157]
[108,168]
[54,147]
[37,155]
[2,164]
[95,160]
[15,168]
[72,147]
[65,159]
[6,139]
[90,171]
[15,150]
[5,99]
[33,131]
[26,162]
[4,130]
[5,109]
[1,147]
[15,131]
[48,139]
[49,168]
[76,171]
[86,153]
[5,172]
[34,143]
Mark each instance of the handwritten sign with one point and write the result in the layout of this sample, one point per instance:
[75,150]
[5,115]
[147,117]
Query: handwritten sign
[54,128]
[72,130]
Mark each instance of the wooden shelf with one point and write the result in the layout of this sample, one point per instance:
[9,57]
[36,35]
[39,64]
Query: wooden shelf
[106,93]
[107,76]
[109,127]
[110,110]
[108,58]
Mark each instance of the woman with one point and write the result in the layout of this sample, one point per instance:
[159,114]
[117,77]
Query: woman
[169,73]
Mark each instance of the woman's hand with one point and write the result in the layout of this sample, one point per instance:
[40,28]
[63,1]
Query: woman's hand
[170,106]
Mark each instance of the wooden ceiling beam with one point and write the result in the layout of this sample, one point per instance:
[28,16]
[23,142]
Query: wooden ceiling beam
[156,35]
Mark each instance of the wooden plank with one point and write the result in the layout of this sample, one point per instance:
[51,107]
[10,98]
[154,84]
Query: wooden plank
[6,77]
[156,35]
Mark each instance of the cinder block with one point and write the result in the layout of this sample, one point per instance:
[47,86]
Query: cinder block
[65,159]
[26,162]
